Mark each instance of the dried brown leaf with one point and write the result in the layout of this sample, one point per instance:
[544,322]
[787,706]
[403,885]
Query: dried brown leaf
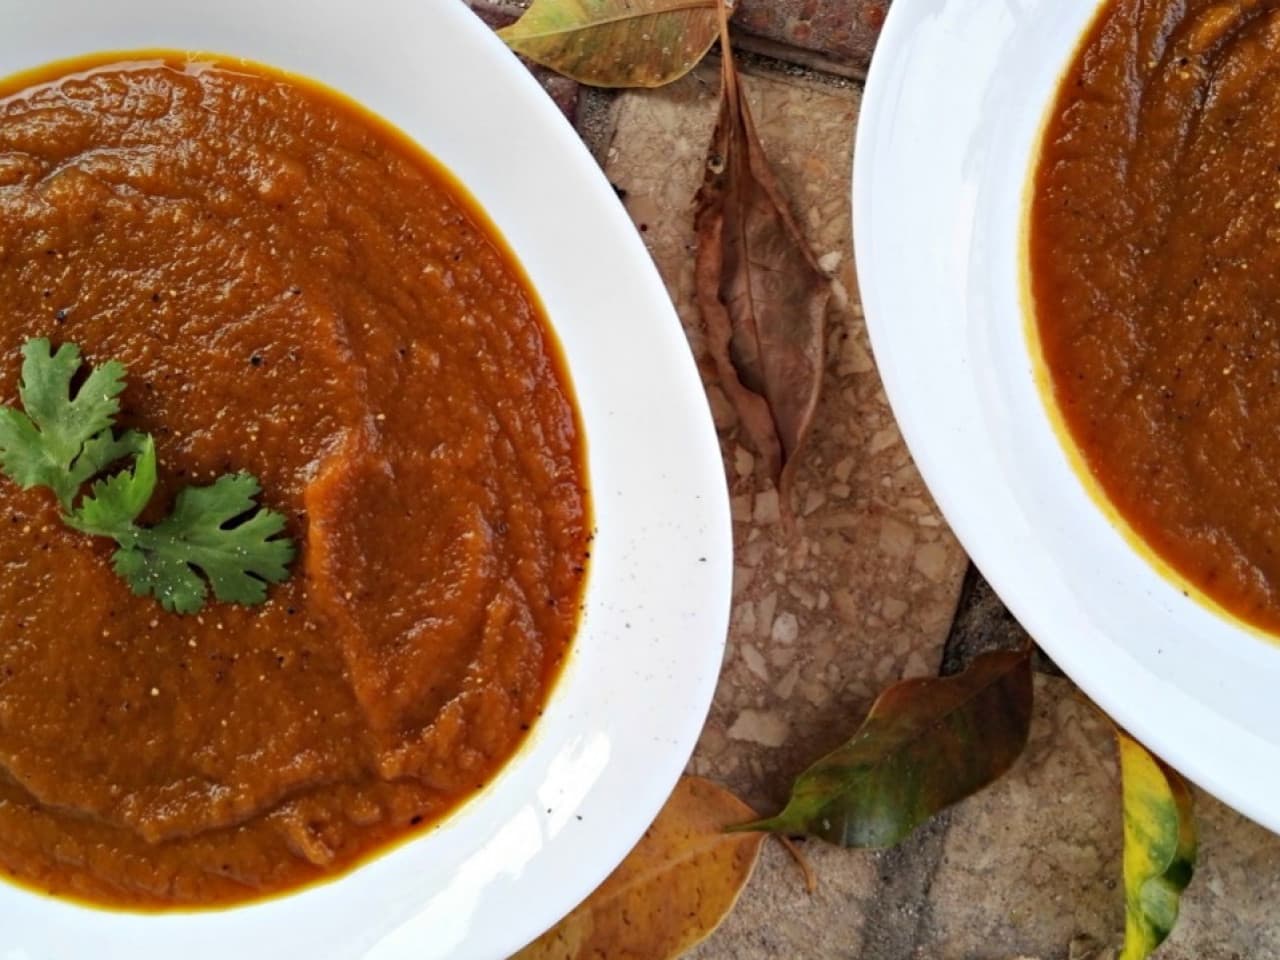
[762,295]
[672,890]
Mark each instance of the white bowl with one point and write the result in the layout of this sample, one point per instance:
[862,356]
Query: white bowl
[627,711]
[950,122]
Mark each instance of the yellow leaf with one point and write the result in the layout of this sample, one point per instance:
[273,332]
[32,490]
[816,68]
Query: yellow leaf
[616,43]
[1159,847]
[672,891]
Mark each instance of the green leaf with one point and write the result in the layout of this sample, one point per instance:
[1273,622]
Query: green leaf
[616,43]
[114,503]
[202,537]
[1159,847]
[926,744]
[46,446]
[216,538]
[103,450]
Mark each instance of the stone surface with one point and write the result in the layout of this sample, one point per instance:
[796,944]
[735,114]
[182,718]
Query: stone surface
[777,917]
[1029,869]
[982,623]
[863,591]
[1033,860]
[863,594]
[844,31]
[1033,863]
[1229,912]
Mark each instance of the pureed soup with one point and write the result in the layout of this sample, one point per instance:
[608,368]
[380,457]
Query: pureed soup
[300,293]
[1155,272]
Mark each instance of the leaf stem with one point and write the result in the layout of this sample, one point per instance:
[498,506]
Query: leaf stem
[729,69]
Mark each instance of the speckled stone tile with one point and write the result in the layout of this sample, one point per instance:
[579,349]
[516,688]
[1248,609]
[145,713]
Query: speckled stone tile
[843,30]
[777,918]
[1033,863]
[863,592]
[1229,912]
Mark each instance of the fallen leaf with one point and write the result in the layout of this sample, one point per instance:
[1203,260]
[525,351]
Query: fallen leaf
[1159,846]
[672,890]
[616,43]
[925,744]
[762,294]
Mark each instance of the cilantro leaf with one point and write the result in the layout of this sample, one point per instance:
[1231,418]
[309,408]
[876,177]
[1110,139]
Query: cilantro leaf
[201,536]
[50,445]
[101,451]
[113,504]
[217,537]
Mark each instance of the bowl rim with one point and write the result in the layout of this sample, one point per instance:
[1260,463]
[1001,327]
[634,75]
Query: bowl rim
[630,703]
[947,435]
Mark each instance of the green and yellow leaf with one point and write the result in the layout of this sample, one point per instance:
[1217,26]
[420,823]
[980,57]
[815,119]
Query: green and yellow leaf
[672,890]
[926,744]
[616,43]
[1159,847]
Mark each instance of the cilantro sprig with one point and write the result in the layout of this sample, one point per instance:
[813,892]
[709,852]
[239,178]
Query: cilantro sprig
[62,441]
[216,538]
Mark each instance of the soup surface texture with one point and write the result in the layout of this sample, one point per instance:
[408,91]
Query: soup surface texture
[1155,272]
[300,293]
